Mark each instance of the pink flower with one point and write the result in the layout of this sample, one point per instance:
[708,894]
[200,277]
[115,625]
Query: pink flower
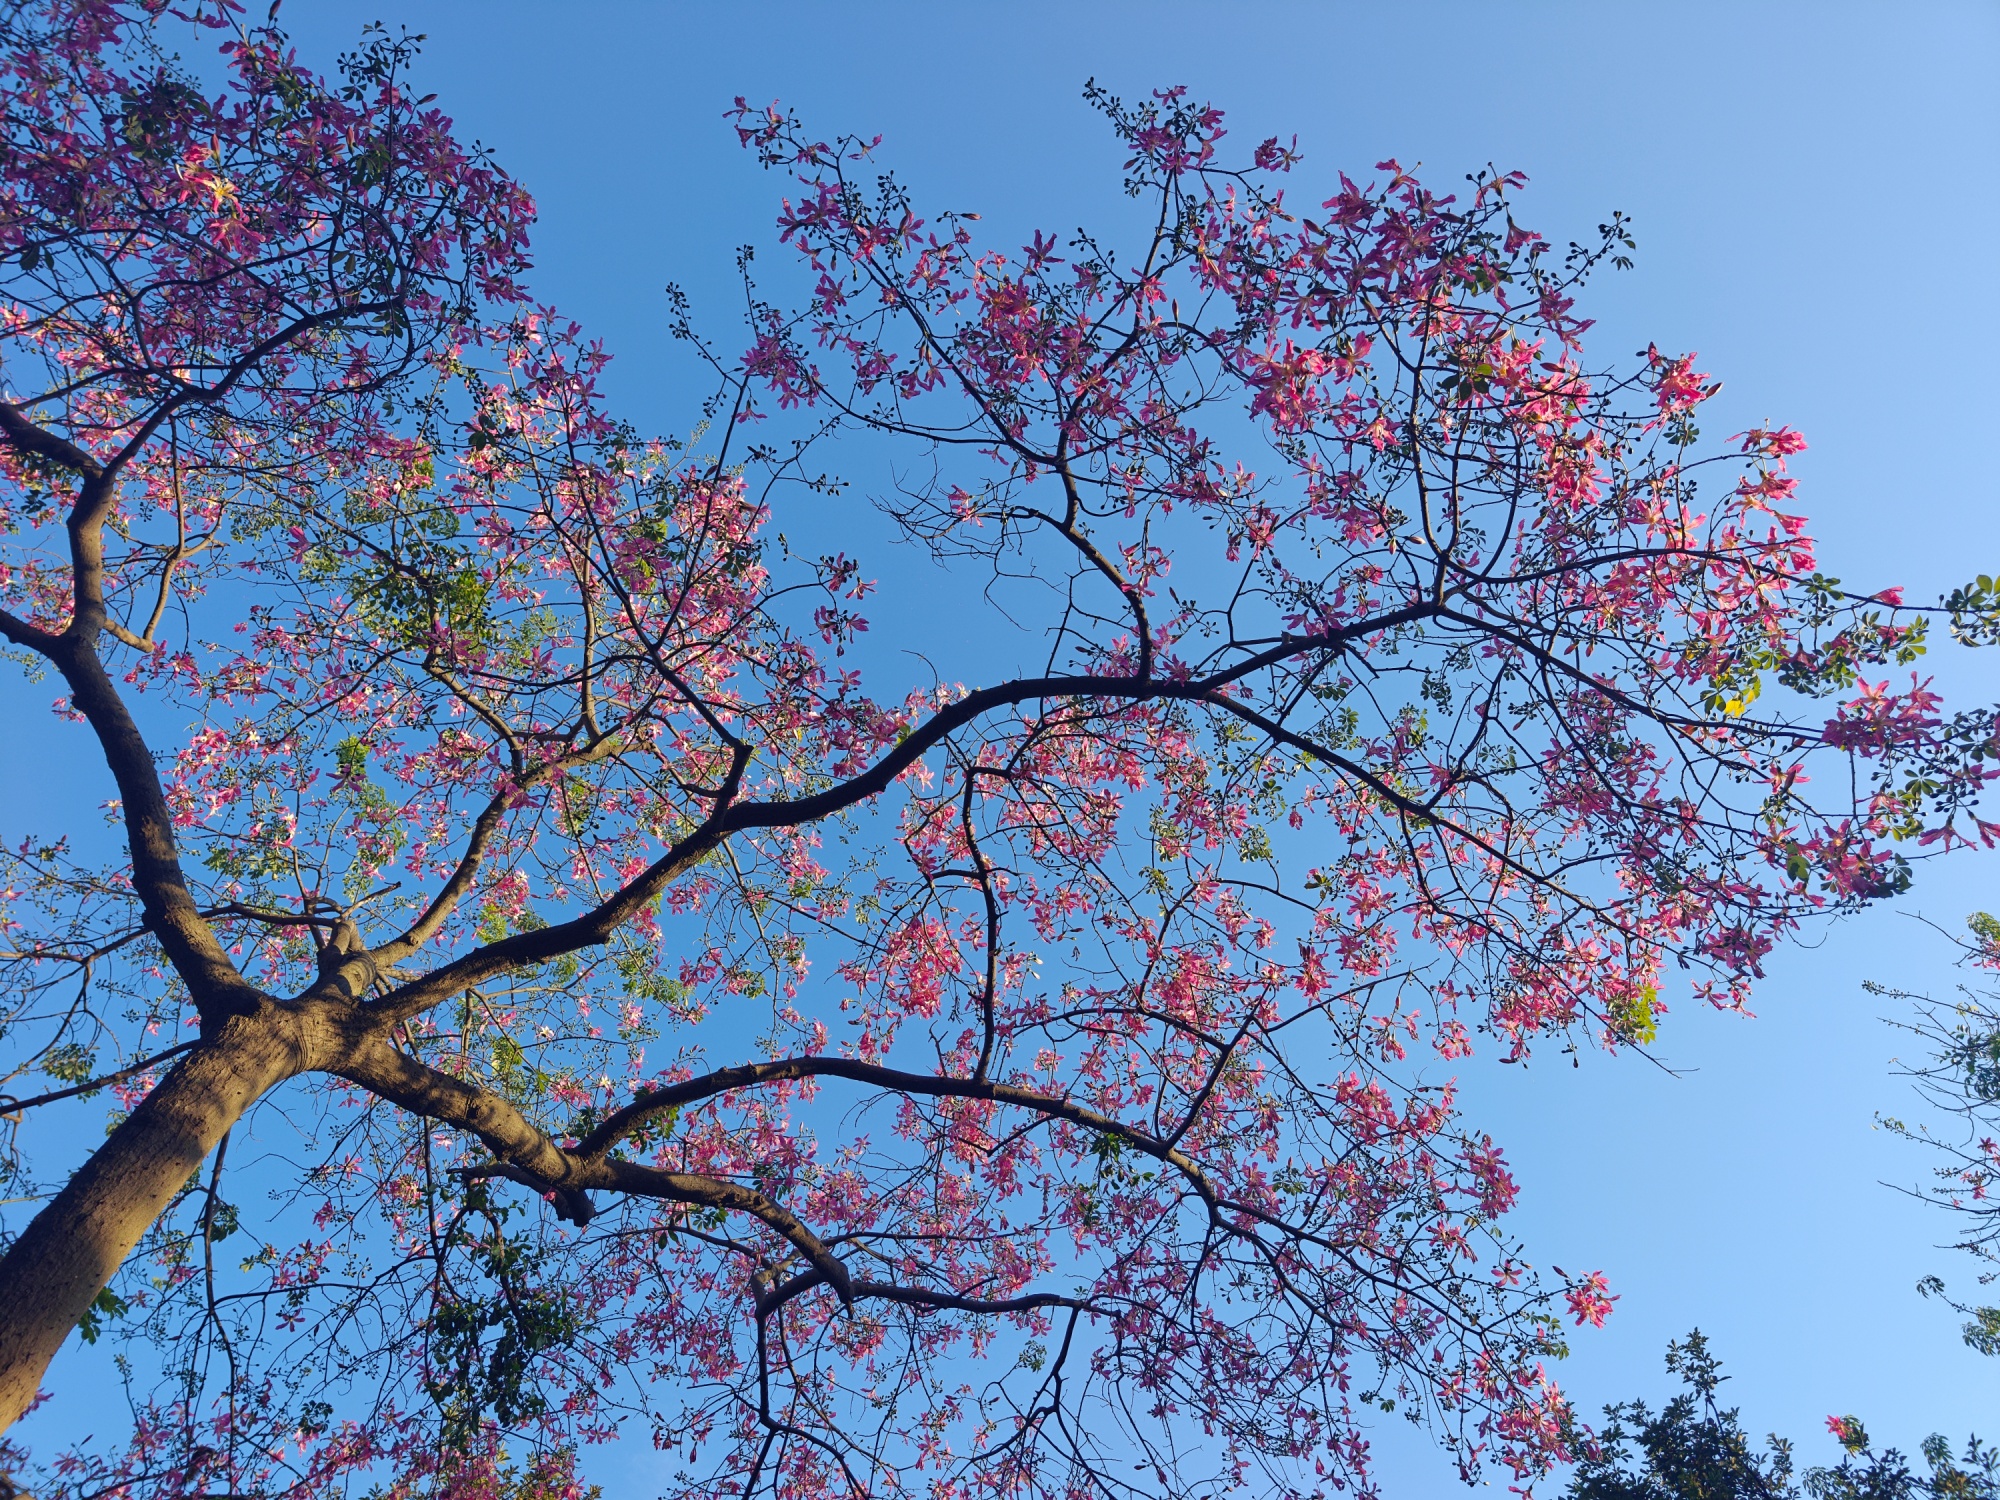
[1590,1300]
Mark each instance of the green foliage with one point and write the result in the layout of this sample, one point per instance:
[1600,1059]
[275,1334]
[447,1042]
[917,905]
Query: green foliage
[1981,1329]
[107,1305]
[1634,1017]
[1975,612]
[1690,1450]
[487,1328]
[1867,1475]
[69,1062]
[350,758]
[1693,1449]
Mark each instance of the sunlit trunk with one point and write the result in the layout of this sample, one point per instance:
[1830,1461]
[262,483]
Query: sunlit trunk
[70,1250]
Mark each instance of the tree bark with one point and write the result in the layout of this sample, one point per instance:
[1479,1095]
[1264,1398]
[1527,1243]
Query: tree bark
[70,1250]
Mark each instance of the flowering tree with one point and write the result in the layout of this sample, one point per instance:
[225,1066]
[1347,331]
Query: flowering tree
[617,1008]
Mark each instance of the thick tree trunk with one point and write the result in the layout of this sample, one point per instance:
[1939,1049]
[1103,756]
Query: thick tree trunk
[70,1250]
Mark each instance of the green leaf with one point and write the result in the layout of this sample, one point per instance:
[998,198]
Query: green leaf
[106,1305]
[70,1063]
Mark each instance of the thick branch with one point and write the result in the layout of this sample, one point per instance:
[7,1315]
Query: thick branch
[70,1250]
[21,633]
[462,876]
[218,989]
[171,914]
[519,1143]
[596,926]
[1076,686]
[656,1101]
[773,1298]
[25,437]
[593,927]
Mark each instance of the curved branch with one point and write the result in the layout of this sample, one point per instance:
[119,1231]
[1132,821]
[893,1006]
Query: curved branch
[21,633]
[745,1075]
[25,437]
[773,1298]
[593,927]
[1132,688]
[596,925]
[526,1154]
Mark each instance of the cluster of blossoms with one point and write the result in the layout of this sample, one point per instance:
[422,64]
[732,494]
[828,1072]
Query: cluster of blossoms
[960,1091]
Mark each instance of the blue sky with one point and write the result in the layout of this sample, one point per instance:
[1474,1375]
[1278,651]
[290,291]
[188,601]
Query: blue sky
[1814,194]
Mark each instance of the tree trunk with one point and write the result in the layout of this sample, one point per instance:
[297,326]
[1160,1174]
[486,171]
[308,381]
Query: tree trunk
[70,1250]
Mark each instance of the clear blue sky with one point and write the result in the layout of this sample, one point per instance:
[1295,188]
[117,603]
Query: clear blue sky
[1814,193]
